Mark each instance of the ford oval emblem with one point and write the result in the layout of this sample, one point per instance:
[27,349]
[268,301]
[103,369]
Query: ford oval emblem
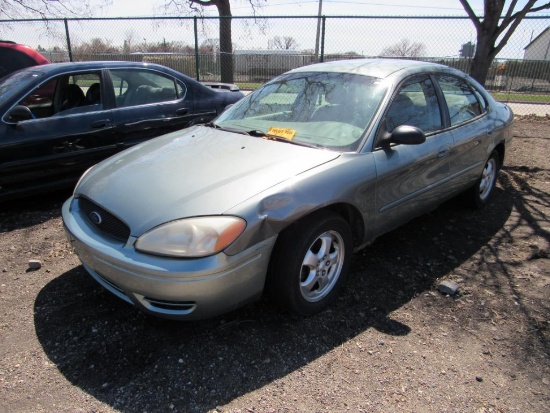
[96,218]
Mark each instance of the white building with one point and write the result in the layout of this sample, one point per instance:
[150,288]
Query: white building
[539,48]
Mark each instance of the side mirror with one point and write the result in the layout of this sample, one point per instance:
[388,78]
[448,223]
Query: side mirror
[403,135]
[18,114]
[408,135]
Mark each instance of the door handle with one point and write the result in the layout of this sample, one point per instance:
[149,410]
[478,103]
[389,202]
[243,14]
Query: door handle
[443,152]
[182,111]
[100,123]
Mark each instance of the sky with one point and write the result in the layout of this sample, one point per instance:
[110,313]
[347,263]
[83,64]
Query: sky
[133,8]
[139,8]
[368,37]
[449,34]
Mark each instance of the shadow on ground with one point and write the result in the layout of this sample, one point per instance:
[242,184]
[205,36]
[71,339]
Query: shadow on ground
[31,210]
[137,363]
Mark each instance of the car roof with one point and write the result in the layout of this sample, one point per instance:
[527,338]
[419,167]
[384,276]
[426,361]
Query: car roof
[103,64]
[33,54]
[54,69]
[380,68]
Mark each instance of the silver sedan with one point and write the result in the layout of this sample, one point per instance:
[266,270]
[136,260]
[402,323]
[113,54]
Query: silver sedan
[278,192]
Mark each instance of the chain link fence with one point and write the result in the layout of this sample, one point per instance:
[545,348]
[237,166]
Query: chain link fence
[264,47]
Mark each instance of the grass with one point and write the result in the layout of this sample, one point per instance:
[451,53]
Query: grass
[521,98]
[249,86]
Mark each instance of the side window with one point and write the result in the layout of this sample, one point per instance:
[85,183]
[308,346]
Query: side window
[461,100]
[415,104]
[141,87]
[81,93]
[41,100]
[65,95]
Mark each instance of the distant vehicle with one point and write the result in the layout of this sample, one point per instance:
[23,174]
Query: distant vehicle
[59,119]
[15,56]
[280,189]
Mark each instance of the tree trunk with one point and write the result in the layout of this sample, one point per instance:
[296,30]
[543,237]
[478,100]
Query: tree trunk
[226,45]
[483,58]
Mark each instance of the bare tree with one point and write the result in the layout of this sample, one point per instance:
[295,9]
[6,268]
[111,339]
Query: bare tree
[496,24]
[405,48]
[283,43]
[21,9]
[224,11]
[95,46]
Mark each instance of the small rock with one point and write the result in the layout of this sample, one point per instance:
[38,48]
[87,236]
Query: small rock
[35,264]
[448,287]
[479,379]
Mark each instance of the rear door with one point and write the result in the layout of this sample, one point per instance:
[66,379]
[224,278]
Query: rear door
[470,126]
[67,134]
[148,104]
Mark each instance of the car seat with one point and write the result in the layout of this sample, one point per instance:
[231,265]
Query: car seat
[73,96]
[93,94]
[338,107]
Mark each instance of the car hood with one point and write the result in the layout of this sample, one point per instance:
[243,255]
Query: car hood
[198,171]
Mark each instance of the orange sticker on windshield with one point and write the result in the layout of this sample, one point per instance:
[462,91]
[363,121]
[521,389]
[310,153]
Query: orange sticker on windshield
[282,132]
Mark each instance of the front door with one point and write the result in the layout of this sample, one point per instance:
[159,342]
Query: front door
[410,178]
[67,135]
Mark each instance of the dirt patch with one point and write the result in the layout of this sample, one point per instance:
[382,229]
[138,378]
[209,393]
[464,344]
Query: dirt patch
[392,342]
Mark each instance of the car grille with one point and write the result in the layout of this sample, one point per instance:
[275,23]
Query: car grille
[104,220]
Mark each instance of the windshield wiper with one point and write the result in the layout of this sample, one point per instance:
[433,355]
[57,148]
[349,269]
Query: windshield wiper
[258,133]
[218,127]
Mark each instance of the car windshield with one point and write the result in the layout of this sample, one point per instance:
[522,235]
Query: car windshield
[10,85]
[326,110]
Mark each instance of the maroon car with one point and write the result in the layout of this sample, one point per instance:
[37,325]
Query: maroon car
[15,56]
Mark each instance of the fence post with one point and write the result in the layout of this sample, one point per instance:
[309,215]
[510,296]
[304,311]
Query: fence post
[197,61]
[68,40]
[322,58]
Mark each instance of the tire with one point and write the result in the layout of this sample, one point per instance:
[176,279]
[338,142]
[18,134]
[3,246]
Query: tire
[310,263]
[478,195]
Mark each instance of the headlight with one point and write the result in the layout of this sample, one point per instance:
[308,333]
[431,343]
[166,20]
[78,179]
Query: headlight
[192,237]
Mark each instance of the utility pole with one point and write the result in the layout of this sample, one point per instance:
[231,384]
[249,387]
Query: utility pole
[318,29]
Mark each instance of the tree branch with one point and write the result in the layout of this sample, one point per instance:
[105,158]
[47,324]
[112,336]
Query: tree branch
[470,13]
[543,7]
[510,10]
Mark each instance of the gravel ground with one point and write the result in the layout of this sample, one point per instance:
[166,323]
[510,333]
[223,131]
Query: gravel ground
[391,343]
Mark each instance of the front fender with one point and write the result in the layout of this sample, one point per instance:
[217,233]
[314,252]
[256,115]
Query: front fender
[347,183]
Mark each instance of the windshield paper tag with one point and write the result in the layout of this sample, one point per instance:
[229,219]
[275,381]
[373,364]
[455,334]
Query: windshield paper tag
[282,132]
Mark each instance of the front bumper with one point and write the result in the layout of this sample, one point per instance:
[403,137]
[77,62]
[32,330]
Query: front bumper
[187,289]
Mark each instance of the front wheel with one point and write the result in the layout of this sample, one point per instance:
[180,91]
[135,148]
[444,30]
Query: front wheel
[310,263]
[478,196]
